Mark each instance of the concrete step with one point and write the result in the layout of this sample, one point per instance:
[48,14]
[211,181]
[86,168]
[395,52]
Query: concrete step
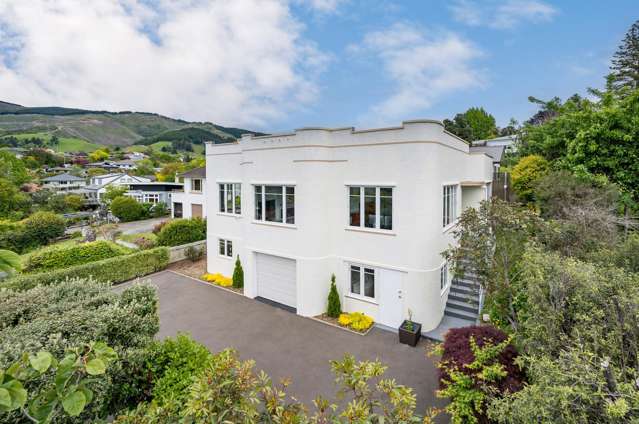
[463,291]
[463,298]
[466,283]
[461,314]
[461,305]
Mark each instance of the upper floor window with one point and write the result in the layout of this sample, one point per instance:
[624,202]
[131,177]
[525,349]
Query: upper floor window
[275,203]
[371,207]
[196,185]
[230,198]
[449,204]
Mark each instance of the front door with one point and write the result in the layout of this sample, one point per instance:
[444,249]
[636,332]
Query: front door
[391,303]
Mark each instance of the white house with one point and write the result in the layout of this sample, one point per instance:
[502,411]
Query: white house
[375,207]
[98,184]
[153,192]
[191,201]
[64,182]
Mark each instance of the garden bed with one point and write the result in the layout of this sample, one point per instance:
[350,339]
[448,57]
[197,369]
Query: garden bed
[335,323]
[196,270]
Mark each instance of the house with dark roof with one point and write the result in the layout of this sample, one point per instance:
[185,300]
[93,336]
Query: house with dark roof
[63,182]
[190,202]
[494,147]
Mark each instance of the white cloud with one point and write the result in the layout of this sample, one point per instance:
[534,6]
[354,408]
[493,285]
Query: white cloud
[500,14]
[324,6]
[423,68]
[240,62]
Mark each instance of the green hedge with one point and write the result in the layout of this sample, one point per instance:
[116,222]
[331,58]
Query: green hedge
[182,231]
[53,257]
[113,270]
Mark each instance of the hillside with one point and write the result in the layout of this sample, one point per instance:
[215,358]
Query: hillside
[107,128]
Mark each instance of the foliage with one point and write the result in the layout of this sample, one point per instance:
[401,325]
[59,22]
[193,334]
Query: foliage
[112,270]
[13,169]
[73,374]
[99,155]
[357,321]
[625,62]
[334,306]
[109,232]
[474,124]
[62,203]
[157,210]
[144,167]
[218,279]
[94,172]
[158,227]
[525,175]
[113,192]
[238,274]
[478,364]
[37,230]
[193,253]
[127,209]
[74,202]
[9,261]
[56,318]
[169,171]
[13,203]
[182,231]
[55,257]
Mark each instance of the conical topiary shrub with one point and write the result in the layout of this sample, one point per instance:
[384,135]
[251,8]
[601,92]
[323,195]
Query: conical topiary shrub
[238,274]
[334,306]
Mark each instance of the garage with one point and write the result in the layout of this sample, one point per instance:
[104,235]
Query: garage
[276,279]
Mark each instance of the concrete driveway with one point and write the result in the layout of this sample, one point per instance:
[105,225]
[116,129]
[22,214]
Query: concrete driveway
[144,226]
[284,344]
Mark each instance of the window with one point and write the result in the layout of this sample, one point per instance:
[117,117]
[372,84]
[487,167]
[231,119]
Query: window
[230,197]
[449,204]
[443,276]
[275,203]
[226,248]
[371,207]
[196,185]
[363,281]
[151,198]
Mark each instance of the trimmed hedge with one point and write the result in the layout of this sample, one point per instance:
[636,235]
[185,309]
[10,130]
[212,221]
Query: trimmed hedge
[53,257]
[182,231]
[113,270]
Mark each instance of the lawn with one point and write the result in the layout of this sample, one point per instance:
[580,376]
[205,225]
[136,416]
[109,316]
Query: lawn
[131,238]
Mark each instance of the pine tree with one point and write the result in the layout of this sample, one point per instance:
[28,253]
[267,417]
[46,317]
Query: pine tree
[238,274]
[334,306]
[625,62]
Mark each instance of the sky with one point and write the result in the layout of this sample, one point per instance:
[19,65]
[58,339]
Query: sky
[274,65]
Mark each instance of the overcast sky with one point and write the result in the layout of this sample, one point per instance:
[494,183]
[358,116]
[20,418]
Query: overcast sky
[281,64]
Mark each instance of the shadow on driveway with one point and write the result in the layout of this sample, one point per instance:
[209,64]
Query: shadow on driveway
[284,344]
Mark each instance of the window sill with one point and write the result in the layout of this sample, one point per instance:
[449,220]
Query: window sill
[450,226]
[224,257]
[276,224]
[371,230]
[361,298]
[231,215]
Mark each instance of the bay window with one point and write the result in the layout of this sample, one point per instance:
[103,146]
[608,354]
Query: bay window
[274,203]
[371,207]
[230,198]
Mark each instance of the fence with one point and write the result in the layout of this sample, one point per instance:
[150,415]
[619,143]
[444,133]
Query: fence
[502,187]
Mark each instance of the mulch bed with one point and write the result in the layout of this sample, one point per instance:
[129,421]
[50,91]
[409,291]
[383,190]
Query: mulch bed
[196,270]
[334,322]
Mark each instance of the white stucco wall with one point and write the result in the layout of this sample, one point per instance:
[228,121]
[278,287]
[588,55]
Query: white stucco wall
[188,198]
[416,159]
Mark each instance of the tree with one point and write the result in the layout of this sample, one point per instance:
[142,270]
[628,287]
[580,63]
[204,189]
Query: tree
[474,124]
[73,202]
[98,155]
[13,203]
[93,172]
[54,142]
[13,169]
[238,274]
[113,191]
[144,167]
[526,174]
[169,171]
[126,208]
[625,61]
[334,306]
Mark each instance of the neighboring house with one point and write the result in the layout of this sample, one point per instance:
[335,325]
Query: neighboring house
[124,165]
[153,192]
[190,202]
[63,182]
[374,207]
[495,148]
[98,184]
[135,156]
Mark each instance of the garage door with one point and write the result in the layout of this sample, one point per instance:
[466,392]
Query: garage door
[276,279]
[196,211]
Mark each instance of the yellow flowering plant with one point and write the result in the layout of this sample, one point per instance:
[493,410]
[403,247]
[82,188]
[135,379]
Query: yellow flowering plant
[218,279]
[356,321]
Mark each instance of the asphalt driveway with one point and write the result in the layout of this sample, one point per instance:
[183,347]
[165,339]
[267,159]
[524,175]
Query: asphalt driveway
[284,344]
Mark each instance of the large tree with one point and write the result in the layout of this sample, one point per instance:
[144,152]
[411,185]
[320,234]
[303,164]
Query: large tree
[474,124]
[625,62]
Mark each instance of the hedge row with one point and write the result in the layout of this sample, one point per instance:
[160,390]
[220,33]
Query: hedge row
[113,270]
[55,257]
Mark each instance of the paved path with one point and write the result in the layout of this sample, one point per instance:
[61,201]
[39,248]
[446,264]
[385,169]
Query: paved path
[284,344]
[144,226]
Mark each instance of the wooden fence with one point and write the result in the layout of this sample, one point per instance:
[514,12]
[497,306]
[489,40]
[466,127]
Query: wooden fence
[502,187]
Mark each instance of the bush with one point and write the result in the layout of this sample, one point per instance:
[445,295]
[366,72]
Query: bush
[334,306]
[477,364]
[63,257]
[158,210]
[217,279]
[112,270]
[37,230]
[238,274]
[526,174]
[356,321]
[158,227]
[182,231]
[127,209]
[54,318]
[193,253]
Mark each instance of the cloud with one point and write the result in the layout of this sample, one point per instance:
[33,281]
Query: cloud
[501,14]
[324,6]
[240,62]
[422,68]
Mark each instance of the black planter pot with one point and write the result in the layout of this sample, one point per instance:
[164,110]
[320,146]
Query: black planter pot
[410,337]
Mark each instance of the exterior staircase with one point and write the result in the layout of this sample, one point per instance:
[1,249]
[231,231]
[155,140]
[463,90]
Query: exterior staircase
[464,299]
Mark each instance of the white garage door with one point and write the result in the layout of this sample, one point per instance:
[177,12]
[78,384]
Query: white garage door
[276,279]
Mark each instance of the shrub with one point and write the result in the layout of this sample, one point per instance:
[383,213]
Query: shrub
[54,318]
[218,279]
[356,321]
[193,253]
[145,243]
[127,209]
[63,257]
[37,230]
[477,363]
[238,274]
[182,231]
[112,270]
[158,210]
[158,227]
[526,174]
[334,306]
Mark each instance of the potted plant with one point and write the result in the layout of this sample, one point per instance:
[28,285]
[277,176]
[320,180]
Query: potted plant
[409,331]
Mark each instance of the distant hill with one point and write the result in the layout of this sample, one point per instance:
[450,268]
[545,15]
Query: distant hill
[109,128]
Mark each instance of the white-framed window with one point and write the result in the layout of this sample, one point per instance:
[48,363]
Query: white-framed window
[275,203]
[196,185]
[230,198]
[225,248]
[362,281]
[151,198]
[444,279]
[370,207]
[449,204]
